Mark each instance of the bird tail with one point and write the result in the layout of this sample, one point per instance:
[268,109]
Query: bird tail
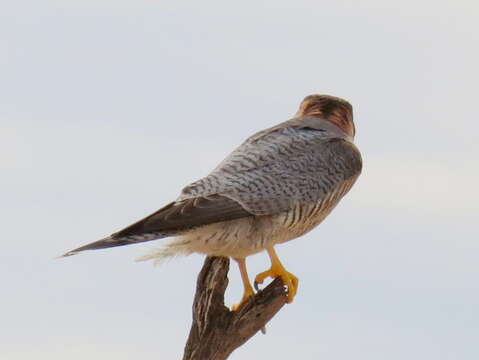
[115,240]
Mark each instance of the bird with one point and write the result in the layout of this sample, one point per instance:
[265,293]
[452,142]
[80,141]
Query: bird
[279,184]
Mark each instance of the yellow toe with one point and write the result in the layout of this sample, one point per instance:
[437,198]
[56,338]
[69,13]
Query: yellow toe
[277,270]
[248,289]
[289,279]
[246,295]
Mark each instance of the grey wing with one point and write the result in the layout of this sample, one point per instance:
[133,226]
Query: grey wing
[283,169]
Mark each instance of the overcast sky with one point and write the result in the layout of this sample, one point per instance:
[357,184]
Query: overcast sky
[109,108]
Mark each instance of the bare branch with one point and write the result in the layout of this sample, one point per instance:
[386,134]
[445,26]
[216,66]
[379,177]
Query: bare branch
[216,331]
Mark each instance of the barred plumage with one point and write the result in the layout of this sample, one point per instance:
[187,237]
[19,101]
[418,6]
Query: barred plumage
[279,184]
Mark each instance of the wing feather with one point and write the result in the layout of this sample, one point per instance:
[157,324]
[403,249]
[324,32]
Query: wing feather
[187,214]
[282,168]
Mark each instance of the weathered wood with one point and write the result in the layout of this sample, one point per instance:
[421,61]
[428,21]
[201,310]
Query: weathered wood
[216,331]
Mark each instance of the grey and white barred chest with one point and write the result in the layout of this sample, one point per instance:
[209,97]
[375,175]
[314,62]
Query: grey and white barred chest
[246,236]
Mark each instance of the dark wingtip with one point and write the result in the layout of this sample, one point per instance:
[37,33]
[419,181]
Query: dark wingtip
[100,244]
[107,242]
[113,241]
[70,253]
[67,254]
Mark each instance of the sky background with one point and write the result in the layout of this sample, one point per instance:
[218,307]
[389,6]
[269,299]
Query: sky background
[109,108]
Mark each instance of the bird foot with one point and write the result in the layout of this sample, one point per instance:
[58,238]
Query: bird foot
[246,295]
[277,270]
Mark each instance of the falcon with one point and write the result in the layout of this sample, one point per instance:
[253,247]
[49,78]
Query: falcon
[276,186]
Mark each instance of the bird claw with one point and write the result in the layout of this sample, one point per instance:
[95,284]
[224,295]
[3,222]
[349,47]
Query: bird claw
[289,280]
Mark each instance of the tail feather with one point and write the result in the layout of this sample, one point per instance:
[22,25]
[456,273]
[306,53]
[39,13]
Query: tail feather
[112,241]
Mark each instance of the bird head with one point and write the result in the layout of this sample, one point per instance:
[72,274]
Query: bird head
[330,108]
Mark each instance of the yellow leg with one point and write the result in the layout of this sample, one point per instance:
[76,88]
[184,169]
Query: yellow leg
[277,270]
[248,289]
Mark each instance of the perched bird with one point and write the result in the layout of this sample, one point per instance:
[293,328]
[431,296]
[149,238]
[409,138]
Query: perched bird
[276,186]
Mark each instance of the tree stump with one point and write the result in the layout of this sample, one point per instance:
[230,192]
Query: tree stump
[216,331]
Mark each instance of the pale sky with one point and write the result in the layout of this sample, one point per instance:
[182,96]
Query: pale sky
[109,108]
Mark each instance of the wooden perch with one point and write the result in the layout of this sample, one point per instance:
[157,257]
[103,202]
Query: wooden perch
[216,331]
